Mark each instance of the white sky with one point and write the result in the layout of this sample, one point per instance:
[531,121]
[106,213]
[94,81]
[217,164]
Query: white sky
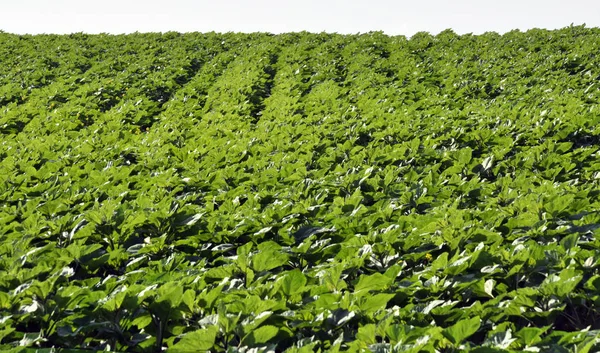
[392,17]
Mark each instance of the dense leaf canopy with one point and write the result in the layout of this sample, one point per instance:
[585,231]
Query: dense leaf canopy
[300,192]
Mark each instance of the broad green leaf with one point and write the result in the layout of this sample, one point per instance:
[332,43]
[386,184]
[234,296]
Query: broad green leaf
[199,340]
[375,302]
[268,260]
[168,297]
[367,283]
[207,298]
[261,335]
[532,335]
[570,241]
[561,284]
[293,282]
[484,288]
[366,333]
[462,330]
[588,344]
[465,155]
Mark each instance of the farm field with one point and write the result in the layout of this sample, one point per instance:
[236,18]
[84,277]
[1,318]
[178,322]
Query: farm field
[300,192]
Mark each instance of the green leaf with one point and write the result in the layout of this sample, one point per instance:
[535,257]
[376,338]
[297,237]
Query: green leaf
[331,277]
[440,262]
[293,282]
[392,272]
[261,335]
[592,284]
[200,340]
[366,333]
[4,300]
[243,253]
[207,298]
[588,344]
[415,144]
[252,322]
[188,299]
[462,330]
[168,297]
[375,302]
[557,205]
[465,155]
[561,284]
[532,335]
[5,332]
[376,281]
[484,288]
[268,260]
[570,241]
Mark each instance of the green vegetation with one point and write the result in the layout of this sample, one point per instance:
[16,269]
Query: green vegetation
[300,192]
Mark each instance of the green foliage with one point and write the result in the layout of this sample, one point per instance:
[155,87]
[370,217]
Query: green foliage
[199,340]
[300,192]
[462,330]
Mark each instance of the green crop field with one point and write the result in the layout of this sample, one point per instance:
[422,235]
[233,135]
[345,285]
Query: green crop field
[300,192]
